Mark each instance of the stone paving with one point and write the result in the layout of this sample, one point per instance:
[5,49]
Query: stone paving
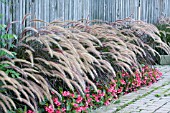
[150,99]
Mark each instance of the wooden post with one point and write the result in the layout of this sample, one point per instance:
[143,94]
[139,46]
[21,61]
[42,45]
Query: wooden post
[139,10]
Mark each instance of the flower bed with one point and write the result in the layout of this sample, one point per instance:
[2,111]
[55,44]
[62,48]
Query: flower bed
[73,102]
[76,66]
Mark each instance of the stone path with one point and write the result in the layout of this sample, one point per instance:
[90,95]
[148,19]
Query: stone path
[152,99]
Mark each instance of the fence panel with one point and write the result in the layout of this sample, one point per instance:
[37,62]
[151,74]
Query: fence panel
[107,10]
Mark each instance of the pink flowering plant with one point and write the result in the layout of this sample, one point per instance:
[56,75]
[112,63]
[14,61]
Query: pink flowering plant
[74,102]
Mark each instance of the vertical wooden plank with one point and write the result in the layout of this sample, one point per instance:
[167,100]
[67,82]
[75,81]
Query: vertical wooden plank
[17,16]
[96,10]
[146,10]
[121,10]
[23,8]
[90,11]
[35,10]
[8,21]
[30,9]
[61,9]
[40,13]
[80,9]
[168,9]
[46,10]
[20,11]
[149,11]
[72,10]
[43,10]
[93,9]
[3,13]
[109,11]
[102,10]
[66,9]
[56,10]
[114,11]
[106,10]
[10,14]
[0,12]
[52,10]
[6,11]
[117,10]
[43,5]
[142,10]
[86,8]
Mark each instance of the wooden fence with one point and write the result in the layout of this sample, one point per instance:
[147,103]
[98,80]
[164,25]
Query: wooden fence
[109,10]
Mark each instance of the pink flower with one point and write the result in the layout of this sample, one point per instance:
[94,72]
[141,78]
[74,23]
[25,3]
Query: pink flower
[107,103]
[89,100]
[126,93]
[120,90]
[30,111]
[102,94]
[160,74]
[113,81]
[137,75]
[57,103]
[63,109]
[143,69]
[79,109]
[87,104]
[135,89]
[144,82]
[49,109]
[113,93]
[111,89]
[93,95]
[138,84]
[87,90]
[150,83]
[157,73]
[75,105]
[123,74]
[122,81]
[72,95]
[97,99]
[133,83]
[87,95]
[99,91]
[150,73]
[157,76]
[146,67]
[66,93]
[145,77]
[58,111]
[84,108]
[79,99]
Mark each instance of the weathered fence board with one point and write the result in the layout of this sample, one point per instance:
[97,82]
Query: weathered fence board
[107,10]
